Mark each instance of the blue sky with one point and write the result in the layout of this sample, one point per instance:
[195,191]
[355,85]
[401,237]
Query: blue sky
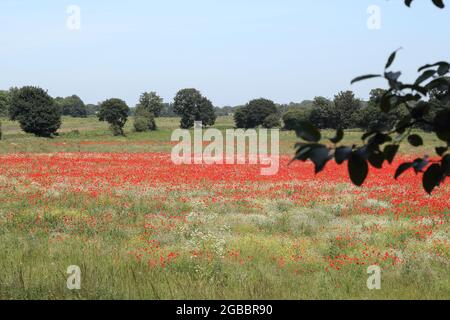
[231,50]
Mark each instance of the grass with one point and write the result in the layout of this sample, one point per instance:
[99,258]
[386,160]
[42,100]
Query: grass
[141,228]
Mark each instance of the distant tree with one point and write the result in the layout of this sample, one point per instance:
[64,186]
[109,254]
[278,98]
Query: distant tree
[240,117]
[272,121]
[72,106]
[347,107]
[115,112]
[293,118]
[372,118]
[4,103]
[323,114]
[192,106]
[144,120]
[151,102]
[258,110]
[92,109]
[36,111]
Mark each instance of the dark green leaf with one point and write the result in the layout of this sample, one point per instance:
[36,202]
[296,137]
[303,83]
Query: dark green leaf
[402,168]
[415,140]
[308,132]
[391,58]
[390,151]
[358,169]
[446,165]
[425,76]
[365,77]
[339,136]
[432,177]
[441,150]
[376,159]
[439,3]
[342,154]
[319,156]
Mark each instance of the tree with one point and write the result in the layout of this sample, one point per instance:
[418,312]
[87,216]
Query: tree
[323,114]
[151,102]
[258,110]
[372,118]
[72,106]
[4,103]
[272,121]
[240,117]
[347,108]
[115,112]
[35,110]
[192,106]
[92,109]
[293,118]
[144,120]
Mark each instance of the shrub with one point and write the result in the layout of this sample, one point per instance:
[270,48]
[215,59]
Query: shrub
[192,106]
[36,111]
[255,113]
[240,118]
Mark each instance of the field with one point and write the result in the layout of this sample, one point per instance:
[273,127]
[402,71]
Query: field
[140,227]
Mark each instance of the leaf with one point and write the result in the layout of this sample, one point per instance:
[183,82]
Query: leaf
[415,140]
[376,159]
[408,2]
[342,154]
[391,58]
[443,69]
[402,168]
[319,156]
[358,169]
[441,150]
[390,151]
[439,3]
[365,77]
[308,132]
[339,136]
[432,178]
[446,165]
[419,164]
[425,76]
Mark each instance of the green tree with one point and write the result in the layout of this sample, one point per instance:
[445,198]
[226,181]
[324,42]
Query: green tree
[324,114]
[72,106]
[151,102]
[258,110]
[4,103]
[294,117]
[115,112]
[240,117]
[347,107]
[192,106]
[272,121]
[36,111]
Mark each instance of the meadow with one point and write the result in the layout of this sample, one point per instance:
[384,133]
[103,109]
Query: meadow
[140,227]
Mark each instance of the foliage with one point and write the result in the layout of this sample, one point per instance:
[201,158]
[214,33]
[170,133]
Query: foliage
[144,121]
[115,112]
[4,103]
[150,102]
[255,112]
[35,110]
[72,106]
[272,121]
[294,117]
[323,114]
[192,106]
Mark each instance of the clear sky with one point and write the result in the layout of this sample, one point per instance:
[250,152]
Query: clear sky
[231,50]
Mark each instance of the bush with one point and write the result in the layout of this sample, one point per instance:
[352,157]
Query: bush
[115,112]
[144,123]
[36,111]
[292,118]
[272,121]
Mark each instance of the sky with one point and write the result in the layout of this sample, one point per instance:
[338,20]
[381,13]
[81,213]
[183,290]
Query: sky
[231,50]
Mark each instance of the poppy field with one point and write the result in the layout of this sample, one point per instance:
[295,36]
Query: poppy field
[141,227]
